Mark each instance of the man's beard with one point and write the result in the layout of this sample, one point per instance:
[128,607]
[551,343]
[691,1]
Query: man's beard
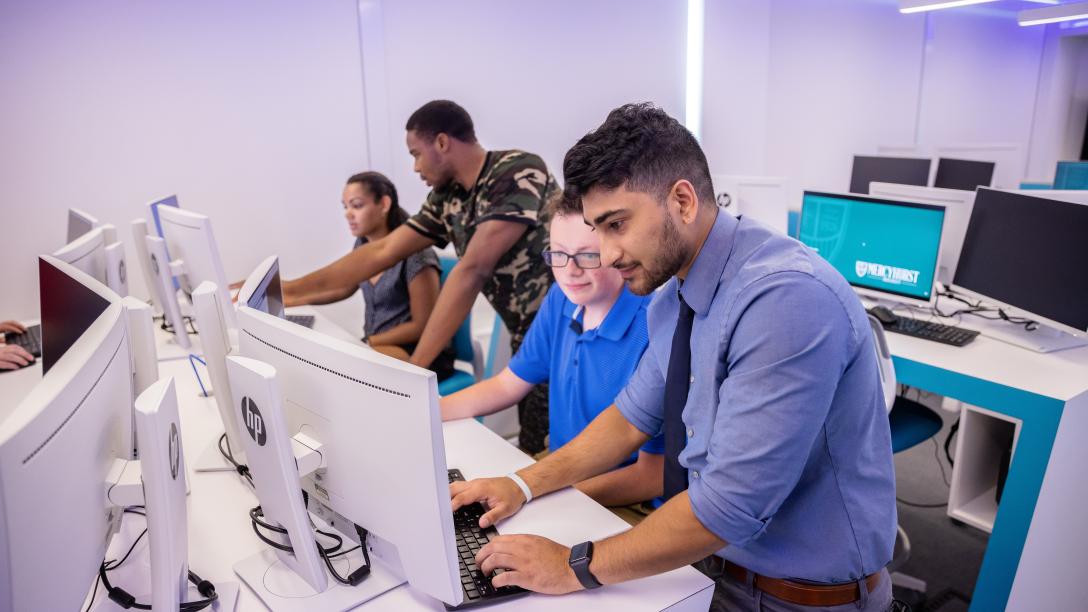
[665,264]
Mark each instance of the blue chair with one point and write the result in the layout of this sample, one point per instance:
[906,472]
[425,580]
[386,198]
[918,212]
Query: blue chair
[911,424]
[465,348]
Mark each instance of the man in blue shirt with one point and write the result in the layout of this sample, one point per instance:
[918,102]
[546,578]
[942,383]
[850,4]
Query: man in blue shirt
[586,341]
[762,374]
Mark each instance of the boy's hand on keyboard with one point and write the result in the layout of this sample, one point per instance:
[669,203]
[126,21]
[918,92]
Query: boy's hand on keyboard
[13,357]
[11,327]
[500,496]
[531,562]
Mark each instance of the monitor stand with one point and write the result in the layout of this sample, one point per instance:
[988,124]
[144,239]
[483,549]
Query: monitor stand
[211,459]
[282,590]
[1043,339]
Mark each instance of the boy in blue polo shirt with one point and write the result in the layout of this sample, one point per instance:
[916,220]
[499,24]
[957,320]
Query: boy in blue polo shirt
[586,341]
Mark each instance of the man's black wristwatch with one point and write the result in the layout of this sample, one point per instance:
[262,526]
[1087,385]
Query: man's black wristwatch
[580,556]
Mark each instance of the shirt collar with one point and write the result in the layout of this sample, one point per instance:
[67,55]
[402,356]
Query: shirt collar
[705,274]
[618,319]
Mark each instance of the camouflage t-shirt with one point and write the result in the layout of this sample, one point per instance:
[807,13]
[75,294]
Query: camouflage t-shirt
[512,186]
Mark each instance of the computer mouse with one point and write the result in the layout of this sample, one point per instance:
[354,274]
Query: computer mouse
[883,314]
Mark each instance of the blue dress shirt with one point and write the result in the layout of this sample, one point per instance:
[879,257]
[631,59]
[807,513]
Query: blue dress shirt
[586,370]
[788,448]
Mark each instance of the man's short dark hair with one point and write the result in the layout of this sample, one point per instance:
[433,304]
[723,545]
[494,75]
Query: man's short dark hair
[638,146]
[442,117]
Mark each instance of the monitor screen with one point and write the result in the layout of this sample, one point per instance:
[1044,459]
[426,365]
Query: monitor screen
[1071,175]
[901,170]
[68,309]
[1028,252]
[882,245]
[963,174]
[268,297]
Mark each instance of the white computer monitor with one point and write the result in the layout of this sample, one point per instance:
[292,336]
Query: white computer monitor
[158,262]
[957,206]
[377,423]
[56,451]
[153,221]
[79,223]
[95,254]
[191,241]
[262,290]
[766,199]
[216,342]
[886,249]
[1025,254]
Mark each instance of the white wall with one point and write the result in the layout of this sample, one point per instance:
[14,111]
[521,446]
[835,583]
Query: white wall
[794,88]
[251,111]
[533,76]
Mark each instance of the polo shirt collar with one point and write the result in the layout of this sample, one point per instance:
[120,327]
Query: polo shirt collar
[701,284]
[618,319]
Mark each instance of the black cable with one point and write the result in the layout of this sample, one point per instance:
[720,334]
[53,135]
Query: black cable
[242,469]
[948,442]
[937,456]
[327,554]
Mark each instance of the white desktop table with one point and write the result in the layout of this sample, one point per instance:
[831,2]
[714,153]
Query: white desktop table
[220,533]
[1039,536]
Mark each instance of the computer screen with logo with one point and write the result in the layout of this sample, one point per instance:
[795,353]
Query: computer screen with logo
[879,245]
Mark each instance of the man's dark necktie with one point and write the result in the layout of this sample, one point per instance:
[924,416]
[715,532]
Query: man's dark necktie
[677,383]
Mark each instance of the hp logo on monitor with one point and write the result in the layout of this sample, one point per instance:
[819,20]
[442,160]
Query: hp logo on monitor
[174,448]
[254,423]
[155,265]
[121,270]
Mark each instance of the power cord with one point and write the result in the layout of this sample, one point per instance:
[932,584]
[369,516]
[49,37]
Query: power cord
[242,469]
[327,554]
[124,599]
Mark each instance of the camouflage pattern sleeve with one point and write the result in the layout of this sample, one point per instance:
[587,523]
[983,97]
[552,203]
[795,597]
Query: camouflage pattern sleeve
[519,187]
[430,220]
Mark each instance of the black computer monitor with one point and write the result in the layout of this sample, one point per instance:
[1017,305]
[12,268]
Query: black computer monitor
[268,297]
[68,308]
[963,174]
[900,170]
[1029,253]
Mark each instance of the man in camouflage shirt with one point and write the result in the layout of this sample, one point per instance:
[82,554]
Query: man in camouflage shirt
[490,205]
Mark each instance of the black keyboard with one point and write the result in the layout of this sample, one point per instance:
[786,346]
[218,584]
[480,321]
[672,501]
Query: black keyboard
[470,539]
[31,340]
[303,320]
[928,330]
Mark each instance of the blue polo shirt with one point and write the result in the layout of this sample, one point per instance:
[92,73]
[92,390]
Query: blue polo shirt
[585,370]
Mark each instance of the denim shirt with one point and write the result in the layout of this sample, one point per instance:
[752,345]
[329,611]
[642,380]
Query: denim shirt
[788,446]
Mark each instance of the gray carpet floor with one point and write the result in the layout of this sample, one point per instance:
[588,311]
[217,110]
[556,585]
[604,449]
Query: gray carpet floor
[945,554]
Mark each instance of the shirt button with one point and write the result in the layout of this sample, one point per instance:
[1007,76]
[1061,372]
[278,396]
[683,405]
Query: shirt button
[691,432]
[695,474]
[691,380]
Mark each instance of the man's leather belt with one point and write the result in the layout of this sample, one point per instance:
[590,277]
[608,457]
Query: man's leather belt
[801,593]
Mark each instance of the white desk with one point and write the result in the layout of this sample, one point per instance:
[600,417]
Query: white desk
[1040,536]
[220,532]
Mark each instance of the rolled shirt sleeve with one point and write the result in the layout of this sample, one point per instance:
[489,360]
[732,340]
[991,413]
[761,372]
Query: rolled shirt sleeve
[642,400]
[785,358]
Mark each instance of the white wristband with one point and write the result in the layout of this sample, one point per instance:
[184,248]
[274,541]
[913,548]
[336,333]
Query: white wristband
[521,485]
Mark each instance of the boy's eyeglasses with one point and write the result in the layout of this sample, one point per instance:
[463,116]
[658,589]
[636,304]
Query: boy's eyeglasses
[559,259]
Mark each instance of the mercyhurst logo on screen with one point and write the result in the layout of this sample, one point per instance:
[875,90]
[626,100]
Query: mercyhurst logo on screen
[885,273]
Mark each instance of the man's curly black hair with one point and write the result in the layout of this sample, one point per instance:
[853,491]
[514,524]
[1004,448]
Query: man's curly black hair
[638,146]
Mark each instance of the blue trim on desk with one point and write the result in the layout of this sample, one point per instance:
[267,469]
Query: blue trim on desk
[1039,416]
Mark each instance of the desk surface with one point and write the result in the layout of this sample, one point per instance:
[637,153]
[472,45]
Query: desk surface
[220,533]
[1061,375]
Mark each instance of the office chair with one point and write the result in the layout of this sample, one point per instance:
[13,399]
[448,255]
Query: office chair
[465,348]
[911,424]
